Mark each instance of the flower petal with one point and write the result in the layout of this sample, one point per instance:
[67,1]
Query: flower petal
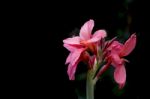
[69,47]
[116,47]
[76,55]
[73,47]
[74,59]
[129,45]
[98,35]
[73,40]
[86,29]
[71,70]
[120,75]
[68,58]
[116,60]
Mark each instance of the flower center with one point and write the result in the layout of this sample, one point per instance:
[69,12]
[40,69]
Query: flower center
[83,42]
[90,46]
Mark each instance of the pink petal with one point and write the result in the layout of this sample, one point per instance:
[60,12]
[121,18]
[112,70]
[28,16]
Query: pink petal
[120,75]
[115,47]
[71,71]
[73,40]
[98,35]
[69,58]
[73,47]
[74,60]
[76,55]
[129,45]
[116,60]
[86,29]
[69,47]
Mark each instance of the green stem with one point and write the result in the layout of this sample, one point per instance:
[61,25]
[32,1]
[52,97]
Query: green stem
[90,86]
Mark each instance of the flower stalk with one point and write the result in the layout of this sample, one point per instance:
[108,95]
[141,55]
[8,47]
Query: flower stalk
[90,85]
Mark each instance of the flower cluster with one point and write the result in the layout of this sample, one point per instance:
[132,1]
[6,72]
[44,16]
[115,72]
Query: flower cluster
[94,50]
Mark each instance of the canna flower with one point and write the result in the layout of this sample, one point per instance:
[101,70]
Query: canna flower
[80,45]
[85,38]
[116,53]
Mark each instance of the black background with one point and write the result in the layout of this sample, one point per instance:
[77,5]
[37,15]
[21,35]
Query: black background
[40,70]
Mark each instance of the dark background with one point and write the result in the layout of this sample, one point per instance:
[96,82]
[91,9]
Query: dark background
[42,72]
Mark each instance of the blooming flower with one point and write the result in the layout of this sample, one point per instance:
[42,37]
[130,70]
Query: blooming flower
[85,38]
[117,52]
[79,44]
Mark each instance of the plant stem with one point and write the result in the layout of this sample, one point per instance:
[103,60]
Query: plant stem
[90,85]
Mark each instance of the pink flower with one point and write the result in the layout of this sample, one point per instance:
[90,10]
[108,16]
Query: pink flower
[79,44]
[85,38]
[117,52]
